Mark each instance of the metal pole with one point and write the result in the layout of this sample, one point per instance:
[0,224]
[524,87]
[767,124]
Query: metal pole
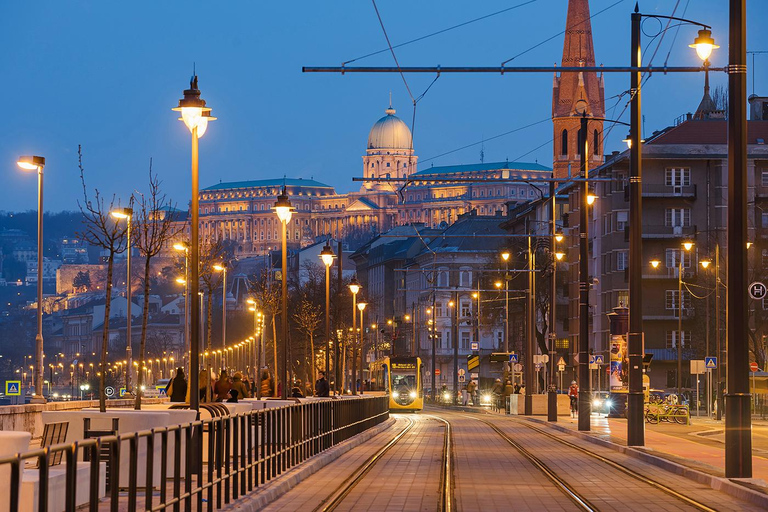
[506,318]
[455,337]
[551,393]
[186,308]
[284,314]
[38,396]
[128,344]
[720,358]
[224,309]
[708,385]
[738,428]
[194,281]
[433,336]
[584,391]
[635,336]
[361,352]
[530,345]
[257,343]
[680,324]
[354,344]
[336,386]
[327,320]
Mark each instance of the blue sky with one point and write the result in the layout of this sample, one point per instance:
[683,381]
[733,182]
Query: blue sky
[105,75]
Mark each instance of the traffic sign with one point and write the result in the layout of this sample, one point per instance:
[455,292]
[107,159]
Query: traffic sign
[475,345]
[122,392]
[753,367]
[599,359]
[561,367]
[13,387]
[513,358]
[461,371]
[109,391]
[461,378]
[757,290]
[474,376]
[473,362]
[437,371]
[539,366]
[561,362]
[518,367]
[710,363]
[161,390]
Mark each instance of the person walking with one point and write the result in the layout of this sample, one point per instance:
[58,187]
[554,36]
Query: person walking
[239,385]
[573,395]
[223,385]
[464,395]
[472,392]
[516,388]
[204,386]
[177,387]
[321,386]
[267,384]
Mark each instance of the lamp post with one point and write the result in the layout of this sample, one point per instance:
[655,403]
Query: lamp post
[584,388]
[284,210]
[361,307]
[37,163]
[354,287]
[505,256]
[223,269]
[127,214]
[704,44]
[687,246]
[455,335]
[184,247]
[196,116]
[326,255]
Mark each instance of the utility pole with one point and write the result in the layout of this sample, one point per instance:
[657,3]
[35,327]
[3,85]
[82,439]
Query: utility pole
[530,374]
[584,391]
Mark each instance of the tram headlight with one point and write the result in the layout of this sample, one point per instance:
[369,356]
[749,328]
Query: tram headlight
[412,394]
[395,394]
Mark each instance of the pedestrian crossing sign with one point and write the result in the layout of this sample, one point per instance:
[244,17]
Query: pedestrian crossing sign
[710,363]
[13,387]
[121,391]
[161,390]
[512,358]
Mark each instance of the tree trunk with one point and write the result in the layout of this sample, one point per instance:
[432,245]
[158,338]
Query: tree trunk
[143,346]
[105,336]
[274,350]
[312,356]
[343,365]
[209,315]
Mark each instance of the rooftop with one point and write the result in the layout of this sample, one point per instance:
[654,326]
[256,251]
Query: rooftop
[289,182]
[493,166]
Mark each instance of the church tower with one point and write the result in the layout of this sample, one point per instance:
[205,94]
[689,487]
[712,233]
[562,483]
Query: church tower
[576,92]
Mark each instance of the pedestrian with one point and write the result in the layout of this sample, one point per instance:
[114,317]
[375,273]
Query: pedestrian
[232,396]
[497,388]
[239,385]
[177,387]
[517,388]
[508,390]
[296,390]
[267,384]
[321,386]
[204,386]
[573,395]
[472,392]
[223,385]
[522,388]
[464,395]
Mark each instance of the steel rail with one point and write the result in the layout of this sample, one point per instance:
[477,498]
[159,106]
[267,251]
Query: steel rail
[629,472]
[446,475]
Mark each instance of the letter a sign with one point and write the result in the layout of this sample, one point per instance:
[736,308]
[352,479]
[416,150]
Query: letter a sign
[13,388]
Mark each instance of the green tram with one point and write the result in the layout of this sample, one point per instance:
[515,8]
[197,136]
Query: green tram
[401,378]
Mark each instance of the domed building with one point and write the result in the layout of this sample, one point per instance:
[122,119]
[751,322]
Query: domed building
[241,211]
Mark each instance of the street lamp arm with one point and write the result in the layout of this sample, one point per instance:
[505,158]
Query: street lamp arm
[684,20]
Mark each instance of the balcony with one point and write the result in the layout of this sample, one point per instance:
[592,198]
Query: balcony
[658,190]
[662,231]
[662,313]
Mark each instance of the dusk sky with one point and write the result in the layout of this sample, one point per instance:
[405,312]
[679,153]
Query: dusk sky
[106,74]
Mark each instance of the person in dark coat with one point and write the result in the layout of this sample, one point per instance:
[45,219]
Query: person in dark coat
[321,386]
[177,388]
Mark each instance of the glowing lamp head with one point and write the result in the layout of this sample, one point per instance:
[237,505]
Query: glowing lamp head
[122,213]
[655,263]
[354,286]
[250,301]
[181,246]
[327,255]
[451,304]
[475,295]
[558,237]
[749,244]
[194,113]
[705,263]
[407,318]
[497,284]
[389,322]
[591,198]
[361,305]
[704,44]
[252,309]
[505,256]
[687,246]
[31,163]
[283,207]
[181,280]
[219,268]
[559,256]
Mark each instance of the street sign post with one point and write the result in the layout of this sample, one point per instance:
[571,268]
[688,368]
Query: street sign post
[475,345]
[753,367]
[461,371]
[757,290]
[109,391]
[710,363]
[512,358]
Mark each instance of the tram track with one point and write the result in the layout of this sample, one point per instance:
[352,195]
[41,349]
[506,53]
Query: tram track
[337,497]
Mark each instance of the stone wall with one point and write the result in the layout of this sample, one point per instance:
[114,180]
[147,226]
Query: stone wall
[29,418]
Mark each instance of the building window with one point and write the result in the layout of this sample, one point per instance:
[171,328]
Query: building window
[564,142]
[499,339]
[675,177]
[621,220]
[465,340]
[388,164]
[465,277]
[622,257]
[678,217]
[596,143]
[764,219]
[466,309]
[622,298]
[674,255]
[673,304]
[672,337]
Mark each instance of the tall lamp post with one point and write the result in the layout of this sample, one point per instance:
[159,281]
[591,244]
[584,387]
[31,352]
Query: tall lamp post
[505,256]
[284,211]
[184,247]
[703,44]
[196,116]
[679,342]
[361,307]
[326,255]
[37,163]
[223,269]
[354,287]
[584,388]
[127,214]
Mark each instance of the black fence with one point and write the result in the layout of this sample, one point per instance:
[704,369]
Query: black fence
[225,456]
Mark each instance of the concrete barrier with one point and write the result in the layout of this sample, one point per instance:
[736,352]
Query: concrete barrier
[57,487]
[11,443]
[540,405]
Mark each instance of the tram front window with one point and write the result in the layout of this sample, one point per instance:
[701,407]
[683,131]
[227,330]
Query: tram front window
[404,389]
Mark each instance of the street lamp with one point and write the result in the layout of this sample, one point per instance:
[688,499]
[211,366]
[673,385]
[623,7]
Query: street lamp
[687,245]
[361,307]
[196,116]
[354,287]
[223,269]
[127,215]
[327,256]
[284,210]
[505,256]
[37,163]
[704,44]
[184,247]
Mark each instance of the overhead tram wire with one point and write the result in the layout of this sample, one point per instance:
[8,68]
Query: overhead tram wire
[442,31]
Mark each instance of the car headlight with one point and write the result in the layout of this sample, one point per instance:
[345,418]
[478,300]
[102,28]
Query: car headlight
[596,403]
[412,394]
[608,403]
[395,394]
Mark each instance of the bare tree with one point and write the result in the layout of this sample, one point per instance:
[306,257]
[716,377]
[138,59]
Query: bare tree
[308,320]
[268,297]
[154,227]
[100,230]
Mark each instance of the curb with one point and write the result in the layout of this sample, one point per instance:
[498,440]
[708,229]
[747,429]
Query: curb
[263,496]
[732,487]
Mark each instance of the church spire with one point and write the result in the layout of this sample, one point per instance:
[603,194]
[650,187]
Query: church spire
[575,92]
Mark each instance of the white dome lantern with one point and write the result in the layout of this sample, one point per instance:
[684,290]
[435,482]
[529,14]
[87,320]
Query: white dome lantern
[389,132]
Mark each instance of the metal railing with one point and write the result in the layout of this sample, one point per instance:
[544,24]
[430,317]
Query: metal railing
[244,451]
